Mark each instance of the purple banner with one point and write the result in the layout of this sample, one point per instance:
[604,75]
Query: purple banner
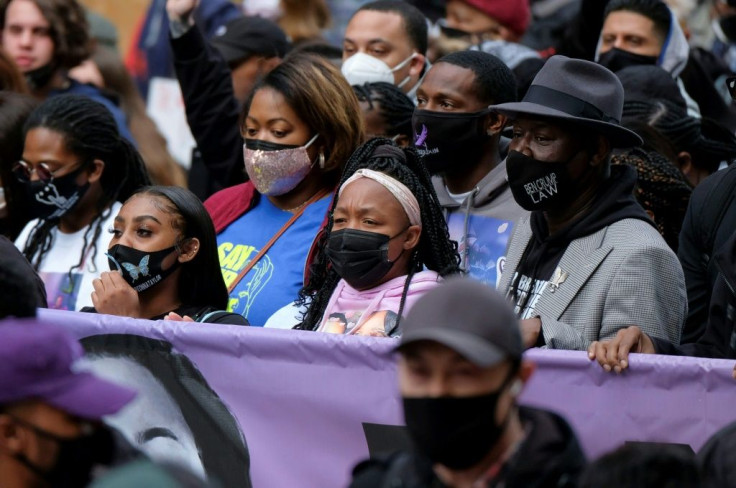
[301,398]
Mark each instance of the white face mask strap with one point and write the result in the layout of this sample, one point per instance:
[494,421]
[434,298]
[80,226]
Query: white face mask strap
[403,63]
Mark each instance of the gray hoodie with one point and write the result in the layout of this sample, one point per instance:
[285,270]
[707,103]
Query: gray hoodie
[482,225]
[672,59]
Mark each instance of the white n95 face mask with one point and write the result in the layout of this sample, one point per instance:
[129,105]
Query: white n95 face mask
[363,68]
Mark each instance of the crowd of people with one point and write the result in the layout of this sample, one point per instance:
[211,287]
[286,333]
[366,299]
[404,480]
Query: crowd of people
[472,178]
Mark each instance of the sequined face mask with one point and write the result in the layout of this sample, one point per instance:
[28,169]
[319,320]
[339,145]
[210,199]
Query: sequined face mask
[276,169]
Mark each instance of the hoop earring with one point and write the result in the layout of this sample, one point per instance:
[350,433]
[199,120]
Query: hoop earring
[321,160]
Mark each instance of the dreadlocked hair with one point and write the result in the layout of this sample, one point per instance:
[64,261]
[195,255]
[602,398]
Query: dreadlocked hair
[435,250]
[661,189]
[705,140]
[89,131]
[395,107]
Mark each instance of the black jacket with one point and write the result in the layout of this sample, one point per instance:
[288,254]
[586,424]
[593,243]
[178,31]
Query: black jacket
[719,337]
[212,113]
[549,457]
[709,223]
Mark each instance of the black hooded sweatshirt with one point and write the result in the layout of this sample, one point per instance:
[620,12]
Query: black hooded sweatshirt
[615,201]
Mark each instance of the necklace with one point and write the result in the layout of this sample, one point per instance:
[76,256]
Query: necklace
[306,202]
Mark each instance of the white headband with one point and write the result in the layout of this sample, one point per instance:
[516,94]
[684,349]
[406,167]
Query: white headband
[405,197]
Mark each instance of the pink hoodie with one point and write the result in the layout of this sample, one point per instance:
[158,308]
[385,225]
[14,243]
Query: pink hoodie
[373,312]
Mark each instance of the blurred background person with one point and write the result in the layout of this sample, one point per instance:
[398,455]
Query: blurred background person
[14,211]
[11,78]
[387,112]
[46,38]
[302,20]
[105,70]
[386,40]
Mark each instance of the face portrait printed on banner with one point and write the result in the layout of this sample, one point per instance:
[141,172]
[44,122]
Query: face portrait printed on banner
[176,416]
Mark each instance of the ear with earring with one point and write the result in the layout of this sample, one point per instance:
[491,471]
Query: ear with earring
[321,160]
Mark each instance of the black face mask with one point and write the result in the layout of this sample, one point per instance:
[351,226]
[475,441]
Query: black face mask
[140,269]
[617,59]
[360,257]
[40,77]
[457,432]
[52,199]
[76,458]
[539,185]
[259,145]
[449,141]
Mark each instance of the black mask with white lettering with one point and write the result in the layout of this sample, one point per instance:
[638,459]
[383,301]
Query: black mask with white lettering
[539,185]
[449,141]
[140,269]
[50,200]
[617,59]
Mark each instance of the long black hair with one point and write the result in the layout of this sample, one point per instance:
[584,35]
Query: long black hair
[435,250]
[89,131]
[200,280]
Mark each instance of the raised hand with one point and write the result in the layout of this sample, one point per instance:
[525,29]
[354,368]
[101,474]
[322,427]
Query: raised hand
[181,10]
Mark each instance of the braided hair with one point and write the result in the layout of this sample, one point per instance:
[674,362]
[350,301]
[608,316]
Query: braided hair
[661,189]
[89,131]
[395,107]
[705,140]
[435,250]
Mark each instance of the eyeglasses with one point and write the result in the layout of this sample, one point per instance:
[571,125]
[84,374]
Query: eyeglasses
[23,171]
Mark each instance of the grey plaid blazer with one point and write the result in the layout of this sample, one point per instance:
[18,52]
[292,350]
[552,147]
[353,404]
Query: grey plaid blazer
[624,274]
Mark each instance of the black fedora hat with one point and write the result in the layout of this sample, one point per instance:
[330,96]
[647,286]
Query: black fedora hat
[579,92]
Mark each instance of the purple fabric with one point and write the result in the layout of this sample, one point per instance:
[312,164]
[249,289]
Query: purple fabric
[301,397]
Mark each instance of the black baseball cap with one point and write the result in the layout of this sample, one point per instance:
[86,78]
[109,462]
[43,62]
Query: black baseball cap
[470,318]
[247,36]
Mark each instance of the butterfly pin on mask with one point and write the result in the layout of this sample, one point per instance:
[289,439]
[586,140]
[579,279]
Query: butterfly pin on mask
[148,268]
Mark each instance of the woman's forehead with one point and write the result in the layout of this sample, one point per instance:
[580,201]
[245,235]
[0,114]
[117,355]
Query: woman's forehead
[365,191]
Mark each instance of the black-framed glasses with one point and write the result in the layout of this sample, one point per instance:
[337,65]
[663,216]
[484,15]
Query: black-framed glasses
[23,171]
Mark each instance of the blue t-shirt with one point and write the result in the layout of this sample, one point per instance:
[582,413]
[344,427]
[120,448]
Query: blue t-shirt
[277,277]
[485,242]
